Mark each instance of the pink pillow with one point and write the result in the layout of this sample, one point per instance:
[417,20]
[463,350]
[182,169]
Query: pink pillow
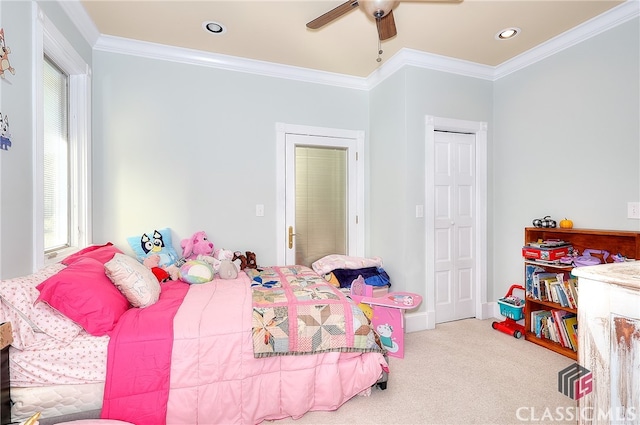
[84,294]
[102,253]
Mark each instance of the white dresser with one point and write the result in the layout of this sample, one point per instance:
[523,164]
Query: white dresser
[609,342]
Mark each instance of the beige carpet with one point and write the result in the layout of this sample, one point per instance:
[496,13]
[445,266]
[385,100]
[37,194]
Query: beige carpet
[462,372]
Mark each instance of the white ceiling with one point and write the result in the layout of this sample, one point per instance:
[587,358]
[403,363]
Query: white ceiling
[275,31]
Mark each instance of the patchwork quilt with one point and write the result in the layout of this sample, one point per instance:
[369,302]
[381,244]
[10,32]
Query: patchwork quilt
[296,311]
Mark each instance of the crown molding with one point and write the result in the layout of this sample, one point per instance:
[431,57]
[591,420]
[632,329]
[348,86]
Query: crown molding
[79,16]
[609,19]
[232,63]
[431,61]
[405,57]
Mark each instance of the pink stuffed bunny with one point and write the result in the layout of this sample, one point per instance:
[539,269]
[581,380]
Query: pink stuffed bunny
[198,244]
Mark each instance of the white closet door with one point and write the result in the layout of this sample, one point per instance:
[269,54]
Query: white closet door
[455,229]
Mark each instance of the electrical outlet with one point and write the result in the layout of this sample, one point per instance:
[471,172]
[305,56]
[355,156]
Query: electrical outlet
[633,210]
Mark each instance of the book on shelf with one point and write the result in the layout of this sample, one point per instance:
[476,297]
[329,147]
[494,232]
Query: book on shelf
[538,321]
[552,287]
[563,297]
[559,326]
[552,290]
[571,325]
[571,299]
[553,330]
[530,270]
[572,283]
[563,334]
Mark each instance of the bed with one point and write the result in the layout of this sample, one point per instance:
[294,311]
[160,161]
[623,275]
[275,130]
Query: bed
[272,343]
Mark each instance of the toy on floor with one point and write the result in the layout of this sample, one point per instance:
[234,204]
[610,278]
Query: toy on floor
[511,307]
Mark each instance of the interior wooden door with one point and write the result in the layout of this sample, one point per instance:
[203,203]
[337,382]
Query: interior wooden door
[455,226]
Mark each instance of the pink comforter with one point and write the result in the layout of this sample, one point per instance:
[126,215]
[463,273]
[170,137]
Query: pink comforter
[214,377]
[139,360]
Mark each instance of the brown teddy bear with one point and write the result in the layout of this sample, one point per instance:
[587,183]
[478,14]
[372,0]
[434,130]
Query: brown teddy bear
[246,260]
[251,260]
[242,259]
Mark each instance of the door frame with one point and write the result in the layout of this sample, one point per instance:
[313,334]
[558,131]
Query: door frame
[479,129]
[357,219]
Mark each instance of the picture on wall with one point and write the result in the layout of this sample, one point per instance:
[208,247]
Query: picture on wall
[5,135]
[5,65]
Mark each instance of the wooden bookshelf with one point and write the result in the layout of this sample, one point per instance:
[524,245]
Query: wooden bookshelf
[626,243]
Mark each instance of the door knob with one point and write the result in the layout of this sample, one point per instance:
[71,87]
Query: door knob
[291,235]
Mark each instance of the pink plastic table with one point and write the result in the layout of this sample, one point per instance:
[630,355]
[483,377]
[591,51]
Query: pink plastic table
[388,315]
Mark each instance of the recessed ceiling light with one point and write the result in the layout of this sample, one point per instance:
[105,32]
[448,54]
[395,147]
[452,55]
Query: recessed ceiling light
[508,33]
[214,27]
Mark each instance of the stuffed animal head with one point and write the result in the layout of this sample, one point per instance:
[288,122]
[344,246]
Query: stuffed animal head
[198,244]
[223,254]
[152,260]
[251,260]
[240,260]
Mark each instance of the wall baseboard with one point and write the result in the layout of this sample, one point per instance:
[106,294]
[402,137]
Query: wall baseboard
[424,320]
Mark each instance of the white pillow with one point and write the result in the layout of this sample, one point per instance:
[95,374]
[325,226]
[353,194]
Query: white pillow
[136,282]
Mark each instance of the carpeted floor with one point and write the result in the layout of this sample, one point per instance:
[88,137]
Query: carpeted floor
[462,372]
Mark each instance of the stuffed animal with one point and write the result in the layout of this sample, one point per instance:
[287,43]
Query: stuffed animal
[198,244]
[222,263]
[227,270]
[153,263]
[196,271]
[247,260]
[240,258]
[251,260]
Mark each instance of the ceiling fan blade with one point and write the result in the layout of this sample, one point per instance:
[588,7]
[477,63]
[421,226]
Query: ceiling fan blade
[386,26]
[333,14]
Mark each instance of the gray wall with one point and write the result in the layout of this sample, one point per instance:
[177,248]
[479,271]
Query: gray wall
[16,171]
[194,148]
[397,150]
[15,164]
[567,144]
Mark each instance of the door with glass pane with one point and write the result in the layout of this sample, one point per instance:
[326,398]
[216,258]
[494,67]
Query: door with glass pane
[321,197]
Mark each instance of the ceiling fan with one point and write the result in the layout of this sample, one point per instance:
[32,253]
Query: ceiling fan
[380,10]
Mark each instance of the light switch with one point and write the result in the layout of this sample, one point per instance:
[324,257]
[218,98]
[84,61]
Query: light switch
[419,211]
[633,209]
[259,210]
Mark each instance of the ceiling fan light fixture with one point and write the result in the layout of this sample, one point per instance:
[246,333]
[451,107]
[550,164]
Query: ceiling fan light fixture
[378,8]
[214,27]
[508,33]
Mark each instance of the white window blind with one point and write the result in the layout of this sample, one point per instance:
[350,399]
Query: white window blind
[56,157]
[321,203]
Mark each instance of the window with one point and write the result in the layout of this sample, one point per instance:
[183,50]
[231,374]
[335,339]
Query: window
[62,155]
[56,158]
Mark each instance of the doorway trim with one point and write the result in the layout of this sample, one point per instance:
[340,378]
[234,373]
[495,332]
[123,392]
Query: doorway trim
[479,129]
[282,129]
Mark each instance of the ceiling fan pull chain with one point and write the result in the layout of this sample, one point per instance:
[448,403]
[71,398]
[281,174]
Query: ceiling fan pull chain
[379,42]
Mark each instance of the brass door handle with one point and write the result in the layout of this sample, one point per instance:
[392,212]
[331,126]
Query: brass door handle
[291,235]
